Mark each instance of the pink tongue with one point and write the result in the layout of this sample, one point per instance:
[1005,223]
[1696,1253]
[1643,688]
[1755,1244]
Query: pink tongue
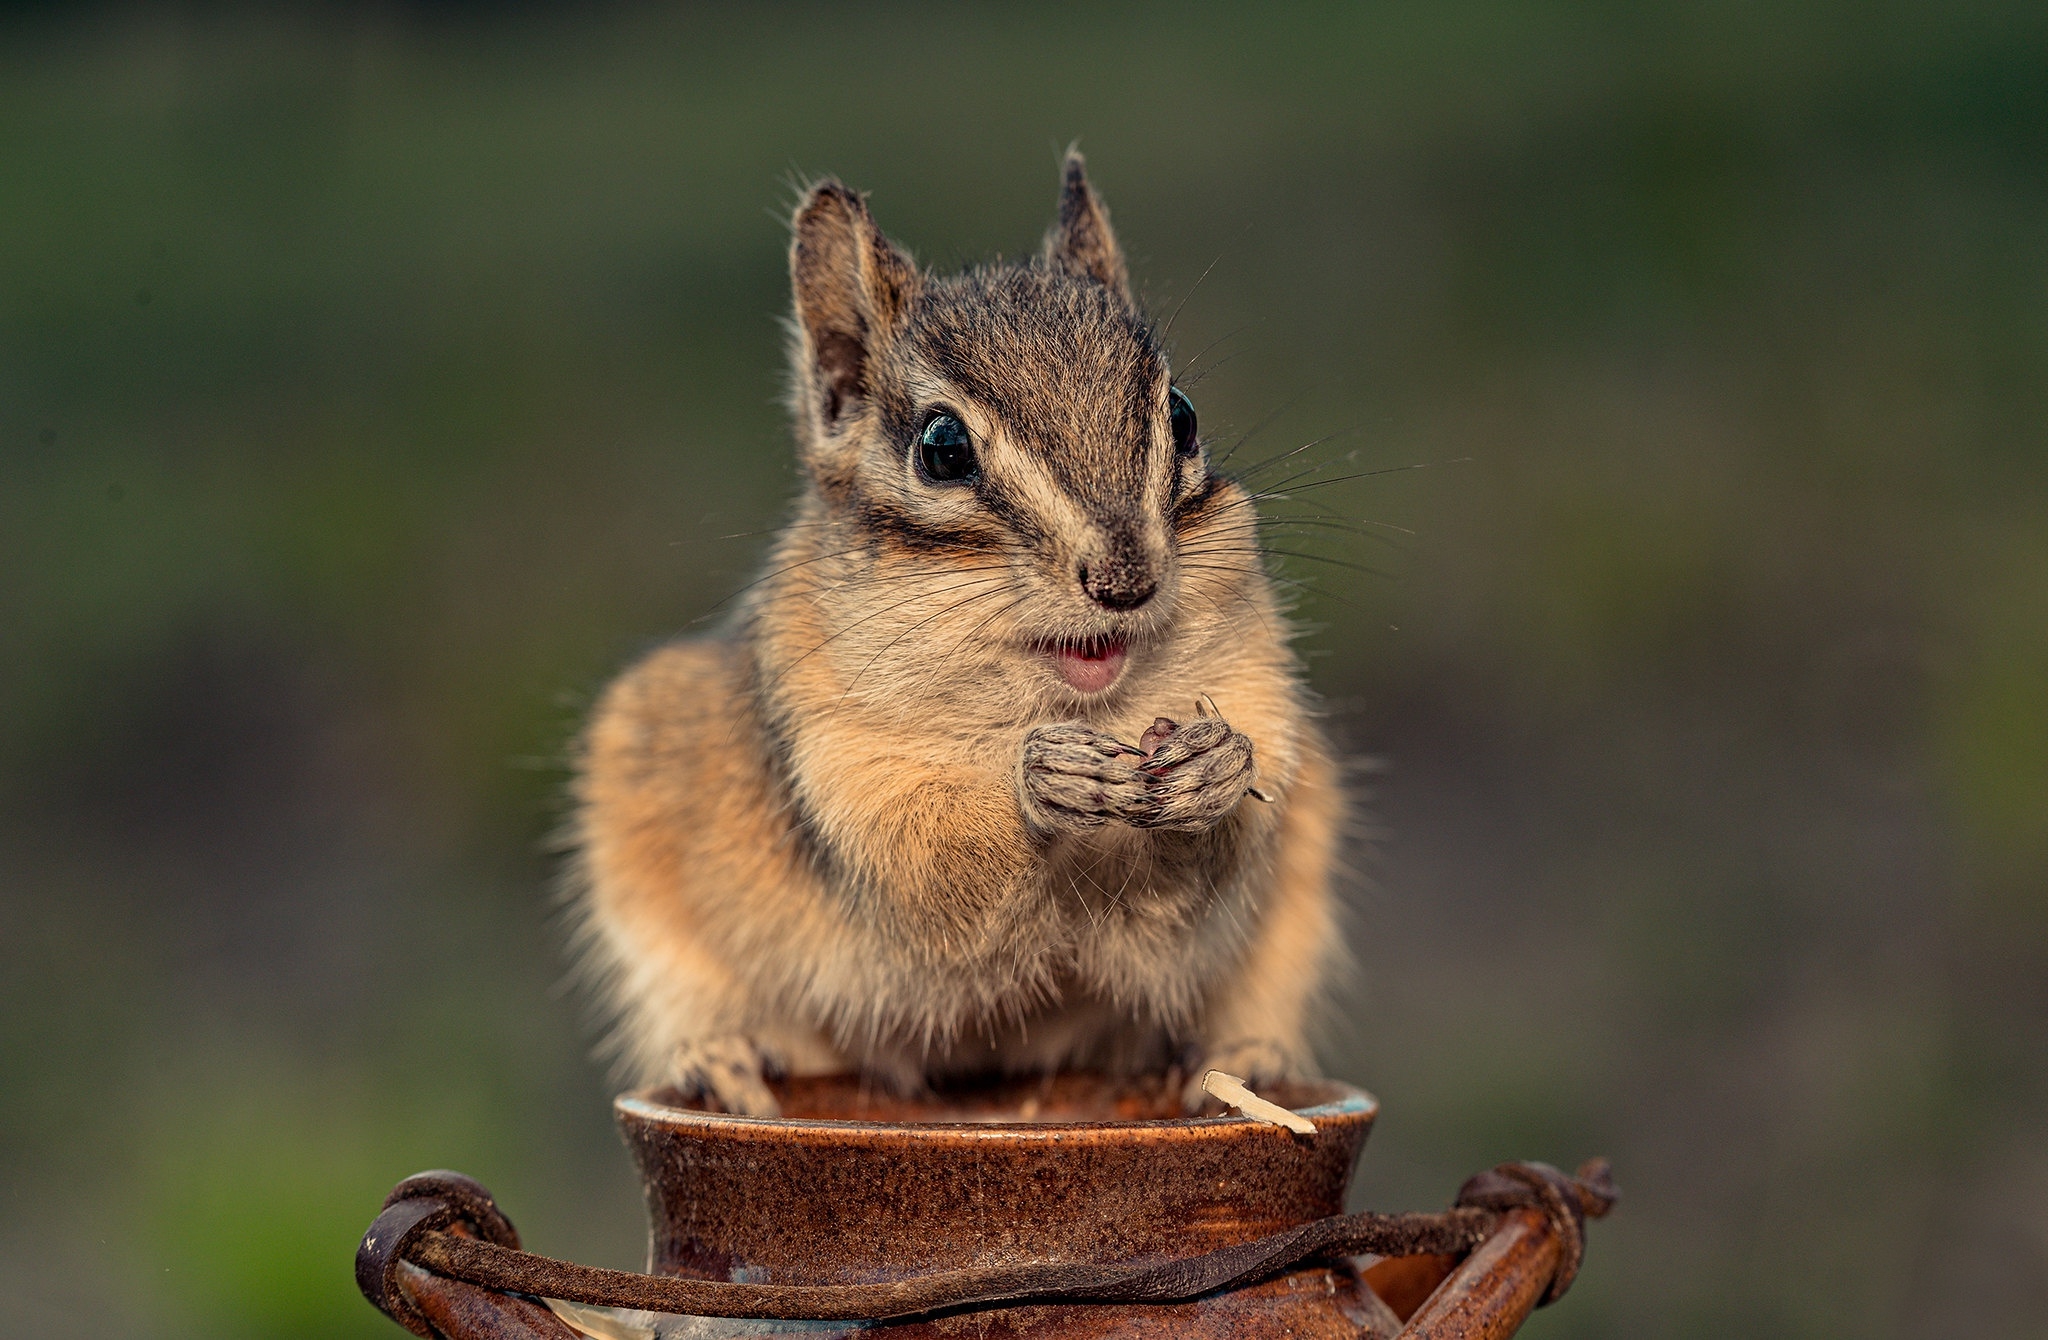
[1090,673]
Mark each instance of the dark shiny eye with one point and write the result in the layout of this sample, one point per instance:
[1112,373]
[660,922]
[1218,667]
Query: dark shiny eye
[945,454]
[1183,421]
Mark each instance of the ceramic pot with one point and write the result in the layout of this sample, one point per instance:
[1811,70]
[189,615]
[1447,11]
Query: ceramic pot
[851,1186]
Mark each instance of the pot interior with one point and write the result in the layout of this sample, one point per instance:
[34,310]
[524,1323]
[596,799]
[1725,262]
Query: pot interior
[1063,1099]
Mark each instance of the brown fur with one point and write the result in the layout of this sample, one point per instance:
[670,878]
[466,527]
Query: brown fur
[870,825]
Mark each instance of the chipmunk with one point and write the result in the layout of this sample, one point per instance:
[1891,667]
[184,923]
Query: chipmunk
[1006,764]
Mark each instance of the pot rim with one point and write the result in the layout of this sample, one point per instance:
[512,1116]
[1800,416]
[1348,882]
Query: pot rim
[1347,1101]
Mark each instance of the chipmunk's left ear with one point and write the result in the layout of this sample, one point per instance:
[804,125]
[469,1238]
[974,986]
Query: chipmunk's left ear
[1082,241]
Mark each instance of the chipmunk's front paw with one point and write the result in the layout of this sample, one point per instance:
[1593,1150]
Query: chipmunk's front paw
[1259,1062]
[1073,777]
[731,1071]
[1200,770]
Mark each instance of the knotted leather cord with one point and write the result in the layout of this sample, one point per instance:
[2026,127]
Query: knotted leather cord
[484,1250]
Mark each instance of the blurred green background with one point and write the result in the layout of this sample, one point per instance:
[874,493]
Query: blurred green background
[374,382]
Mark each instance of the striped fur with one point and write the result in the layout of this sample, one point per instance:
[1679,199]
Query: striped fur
[855,828]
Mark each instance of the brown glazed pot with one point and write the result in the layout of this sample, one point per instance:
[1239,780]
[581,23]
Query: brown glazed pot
[851,1186]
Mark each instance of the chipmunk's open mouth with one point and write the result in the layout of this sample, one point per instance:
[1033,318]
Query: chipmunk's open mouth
[1089,665]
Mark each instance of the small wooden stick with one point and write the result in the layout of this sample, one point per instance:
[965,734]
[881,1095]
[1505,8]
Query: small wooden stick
[1205,706]
[1230,1089]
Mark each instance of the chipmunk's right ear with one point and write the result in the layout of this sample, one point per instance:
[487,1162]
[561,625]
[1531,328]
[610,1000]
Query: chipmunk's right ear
[853,288]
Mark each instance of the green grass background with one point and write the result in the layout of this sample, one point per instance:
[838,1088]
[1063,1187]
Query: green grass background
[375,381]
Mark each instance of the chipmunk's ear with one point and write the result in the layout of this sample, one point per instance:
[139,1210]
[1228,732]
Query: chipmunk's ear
[853,288]
[1081,240]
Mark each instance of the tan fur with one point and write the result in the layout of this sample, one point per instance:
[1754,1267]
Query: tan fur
[870,825]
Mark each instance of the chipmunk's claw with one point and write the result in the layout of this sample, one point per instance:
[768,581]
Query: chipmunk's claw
[1199,773]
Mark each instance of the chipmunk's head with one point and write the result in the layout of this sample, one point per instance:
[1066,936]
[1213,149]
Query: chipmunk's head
[1019,420]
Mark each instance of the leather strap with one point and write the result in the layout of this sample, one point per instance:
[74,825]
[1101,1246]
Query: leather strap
[1566,1201]
[448,1224]
[424,1203]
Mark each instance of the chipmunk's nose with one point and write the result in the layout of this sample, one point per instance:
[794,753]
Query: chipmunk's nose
[1118,585]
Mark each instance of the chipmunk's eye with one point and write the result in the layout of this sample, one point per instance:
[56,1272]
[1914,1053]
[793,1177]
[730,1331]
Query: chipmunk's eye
[1182,420]
[945,454]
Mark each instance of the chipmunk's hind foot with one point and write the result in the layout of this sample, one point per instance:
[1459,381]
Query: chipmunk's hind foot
[730,1072]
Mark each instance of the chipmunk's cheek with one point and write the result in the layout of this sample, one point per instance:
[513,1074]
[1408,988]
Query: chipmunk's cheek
[1089,667]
